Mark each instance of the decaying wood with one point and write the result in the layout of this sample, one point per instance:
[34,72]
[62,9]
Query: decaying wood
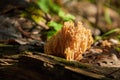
[89,71]
[38,66]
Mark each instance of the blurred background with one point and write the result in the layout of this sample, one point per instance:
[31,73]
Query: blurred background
[26,25]
[40,19]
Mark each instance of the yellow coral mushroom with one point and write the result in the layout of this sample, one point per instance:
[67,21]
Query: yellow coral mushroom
[70,42]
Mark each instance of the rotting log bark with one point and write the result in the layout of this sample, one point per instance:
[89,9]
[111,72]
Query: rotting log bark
[61,66]
[40,66]
[52,69]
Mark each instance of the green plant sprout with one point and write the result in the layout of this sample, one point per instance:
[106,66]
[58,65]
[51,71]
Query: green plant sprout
[117,30]
[48,6]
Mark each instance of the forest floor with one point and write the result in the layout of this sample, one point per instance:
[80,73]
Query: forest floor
[20,35]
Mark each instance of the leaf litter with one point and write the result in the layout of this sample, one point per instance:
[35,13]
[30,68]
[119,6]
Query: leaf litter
[104,52]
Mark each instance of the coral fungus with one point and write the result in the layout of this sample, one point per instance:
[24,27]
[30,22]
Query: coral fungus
[70,42]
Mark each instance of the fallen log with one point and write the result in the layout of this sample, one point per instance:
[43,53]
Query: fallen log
[40,66]
[77,68]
